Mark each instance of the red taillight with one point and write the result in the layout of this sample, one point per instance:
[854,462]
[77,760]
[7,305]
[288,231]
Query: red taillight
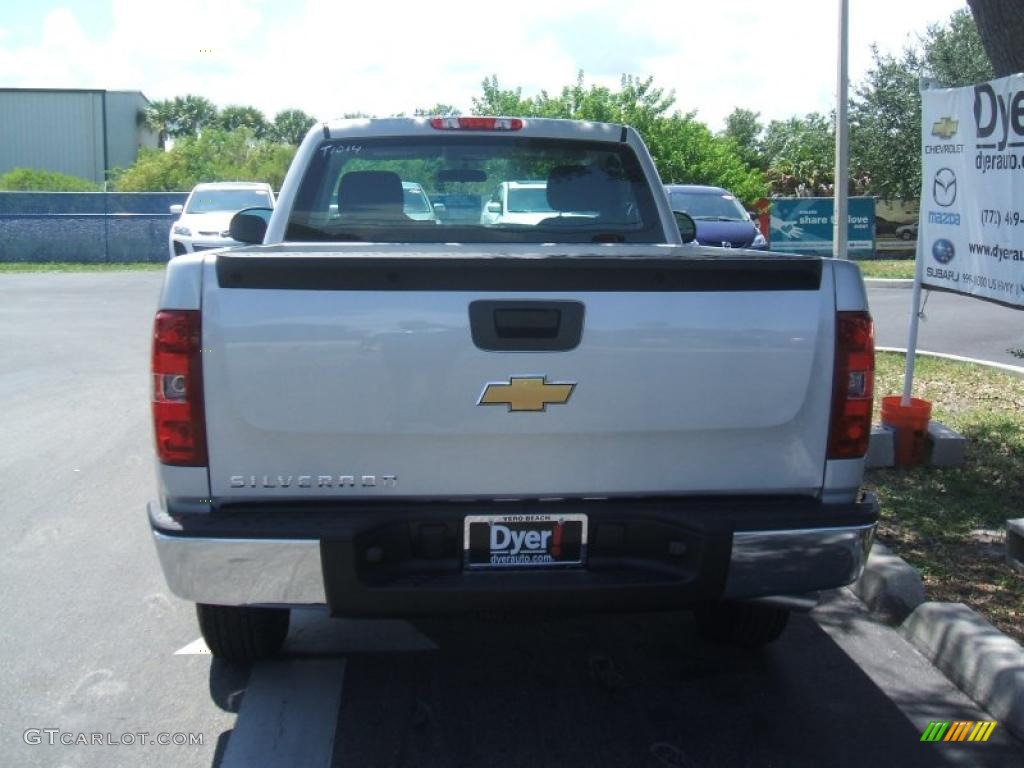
[476,123]
[178,389]
[853,386]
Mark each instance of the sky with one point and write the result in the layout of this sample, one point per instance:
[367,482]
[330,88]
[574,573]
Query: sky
[329,58]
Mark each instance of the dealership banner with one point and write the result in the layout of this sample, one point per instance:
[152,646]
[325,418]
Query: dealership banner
[805,225]
[971,232]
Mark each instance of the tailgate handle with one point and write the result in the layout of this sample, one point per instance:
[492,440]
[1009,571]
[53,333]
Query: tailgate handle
[527,323]
[526,326]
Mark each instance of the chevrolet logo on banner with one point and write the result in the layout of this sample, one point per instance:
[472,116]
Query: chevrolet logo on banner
[526,393]
[945,128]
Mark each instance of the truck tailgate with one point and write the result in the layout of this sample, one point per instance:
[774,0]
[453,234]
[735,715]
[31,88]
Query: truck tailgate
[360,375]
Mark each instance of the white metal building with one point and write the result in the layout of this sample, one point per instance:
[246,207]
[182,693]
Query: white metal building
[83,133]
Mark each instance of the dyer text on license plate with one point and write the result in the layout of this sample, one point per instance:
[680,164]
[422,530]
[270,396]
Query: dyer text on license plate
[525,541]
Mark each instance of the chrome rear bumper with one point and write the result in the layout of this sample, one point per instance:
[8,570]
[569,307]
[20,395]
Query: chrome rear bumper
[792,562]
[289,571]
[242,571]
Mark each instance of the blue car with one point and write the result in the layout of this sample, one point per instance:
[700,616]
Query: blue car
[721,220]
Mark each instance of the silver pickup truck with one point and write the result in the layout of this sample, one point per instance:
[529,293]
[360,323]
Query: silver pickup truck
[574,410]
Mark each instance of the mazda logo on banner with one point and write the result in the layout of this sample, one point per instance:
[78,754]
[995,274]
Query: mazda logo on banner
[944,187]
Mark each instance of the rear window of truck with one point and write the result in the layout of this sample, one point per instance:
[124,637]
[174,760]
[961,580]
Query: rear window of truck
[588,192]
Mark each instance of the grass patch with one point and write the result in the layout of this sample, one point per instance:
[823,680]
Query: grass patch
[890,268]
[950,523]
[64,266]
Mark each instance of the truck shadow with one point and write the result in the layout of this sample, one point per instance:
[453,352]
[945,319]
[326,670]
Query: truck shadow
[601,690]
[635,690]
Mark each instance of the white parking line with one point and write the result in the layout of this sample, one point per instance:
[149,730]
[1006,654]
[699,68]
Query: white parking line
[290,707]
[288,716]
[193,648]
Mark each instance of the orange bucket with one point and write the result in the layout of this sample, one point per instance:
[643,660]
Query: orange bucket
[911,425]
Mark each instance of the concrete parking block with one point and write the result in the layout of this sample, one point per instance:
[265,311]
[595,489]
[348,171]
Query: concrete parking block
[1015,543]
[889,586]
[881,448]
[288,716]
[986,664]
[948,446]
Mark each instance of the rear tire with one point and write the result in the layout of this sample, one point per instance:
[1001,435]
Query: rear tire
[240,634]
[745,624]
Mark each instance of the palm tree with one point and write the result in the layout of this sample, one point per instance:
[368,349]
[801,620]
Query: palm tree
[159,118]
[191,113]
[182,116]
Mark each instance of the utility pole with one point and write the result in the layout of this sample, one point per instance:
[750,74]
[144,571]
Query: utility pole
[841,186]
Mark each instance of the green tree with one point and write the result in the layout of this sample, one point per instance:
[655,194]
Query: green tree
[953,52]
[683,148]
[234,117]
[35,180]
[885,126]
[743,127]
[159,118]
[180,116]
[215,155]
[269,163]
[438,110]
[190,114]
[291,126]
[885,112]
[686,151]
[801,155]
[496,100]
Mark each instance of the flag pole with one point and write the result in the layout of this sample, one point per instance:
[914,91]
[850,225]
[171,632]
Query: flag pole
[915,298]
[915,316]
[841,181]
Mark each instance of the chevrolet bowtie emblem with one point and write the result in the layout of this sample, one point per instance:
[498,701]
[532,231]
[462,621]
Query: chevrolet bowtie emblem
[526,393]
[945,128]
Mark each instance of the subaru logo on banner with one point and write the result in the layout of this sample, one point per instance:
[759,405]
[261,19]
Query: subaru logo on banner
[943,251]
[972,190]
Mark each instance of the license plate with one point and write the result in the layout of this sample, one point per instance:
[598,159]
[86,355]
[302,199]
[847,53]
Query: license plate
[524,541]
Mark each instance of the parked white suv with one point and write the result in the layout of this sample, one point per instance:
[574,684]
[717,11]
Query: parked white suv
[204,219]
[518,202]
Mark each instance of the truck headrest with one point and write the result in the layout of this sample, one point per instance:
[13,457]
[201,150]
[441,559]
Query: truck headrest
[370,192]
[581,188]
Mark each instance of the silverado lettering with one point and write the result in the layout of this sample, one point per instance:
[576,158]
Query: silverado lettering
[313,481]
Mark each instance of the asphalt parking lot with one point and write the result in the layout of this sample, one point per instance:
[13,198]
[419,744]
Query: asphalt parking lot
[952,324]
[92,642]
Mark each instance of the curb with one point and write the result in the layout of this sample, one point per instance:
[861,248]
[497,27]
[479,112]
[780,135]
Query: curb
[979,659]
[889,282]
[890,587]
[1016,370]
[983,662]
[1015,543]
